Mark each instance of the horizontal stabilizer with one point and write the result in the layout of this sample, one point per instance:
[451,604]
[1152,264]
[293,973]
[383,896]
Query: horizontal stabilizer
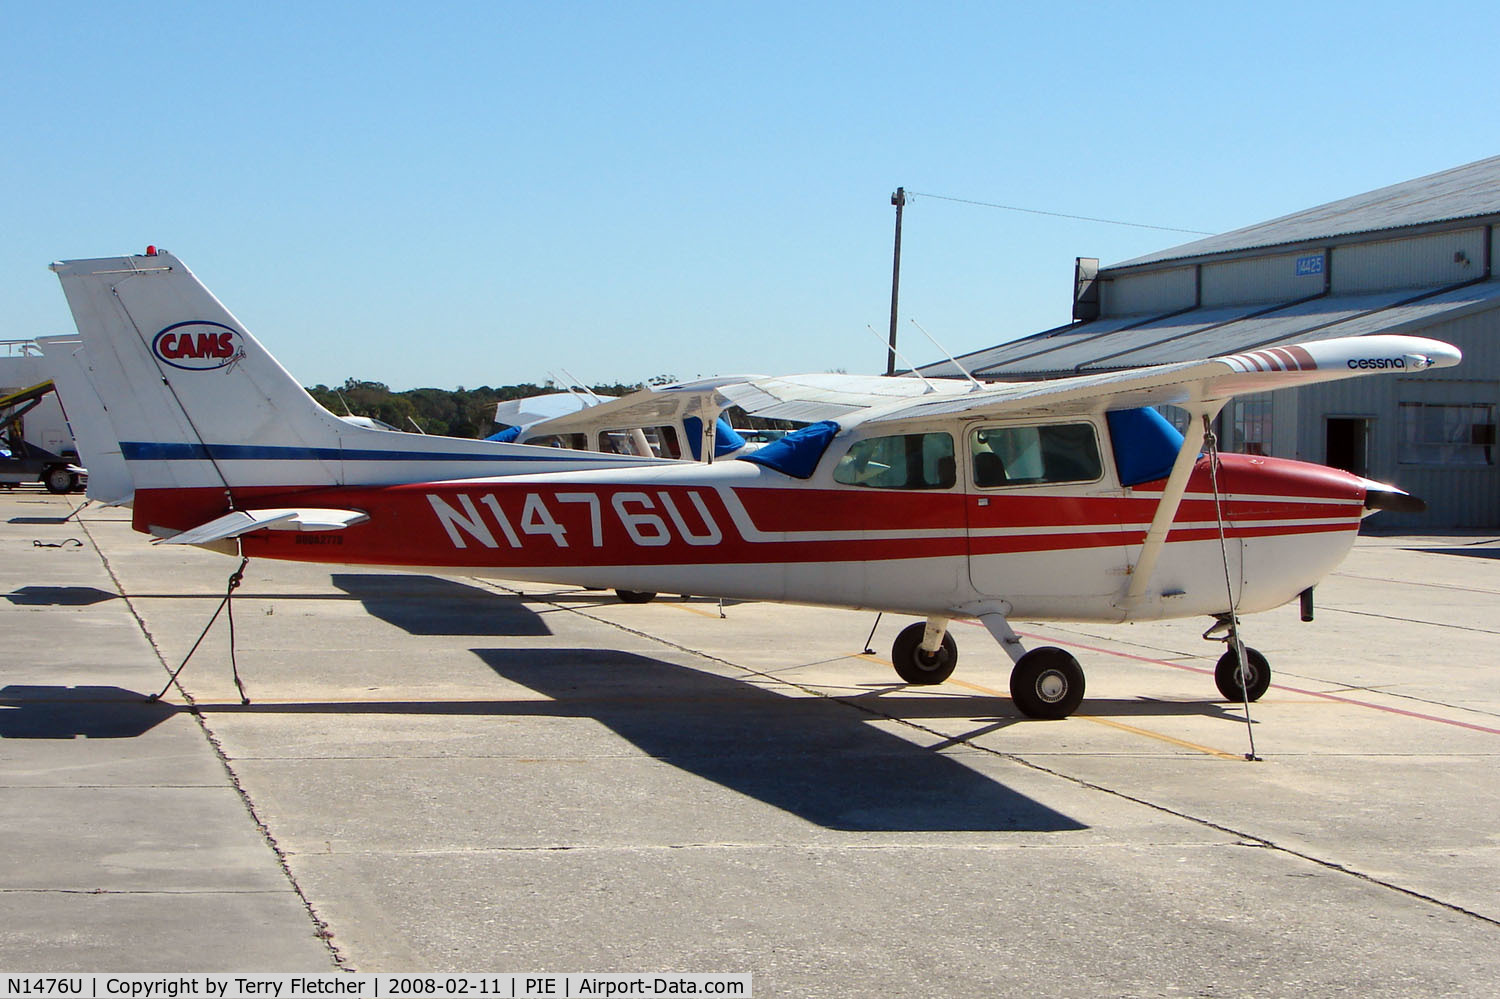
[238,522]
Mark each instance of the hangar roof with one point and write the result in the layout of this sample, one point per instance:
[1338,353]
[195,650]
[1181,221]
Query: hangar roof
[1468,191]
[1132,341]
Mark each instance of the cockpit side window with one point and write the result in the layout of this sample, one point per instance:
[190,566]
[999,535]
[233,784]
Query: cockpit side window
[901,461]
[1026,456]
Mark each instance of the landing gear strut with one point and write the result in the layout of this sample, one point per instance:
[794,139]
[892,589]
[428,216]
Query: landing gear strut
[1045,683]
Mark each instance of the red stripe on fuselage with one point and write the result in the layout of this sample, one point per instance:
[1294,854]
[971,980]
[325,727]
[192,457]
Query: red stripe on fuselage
[529,523]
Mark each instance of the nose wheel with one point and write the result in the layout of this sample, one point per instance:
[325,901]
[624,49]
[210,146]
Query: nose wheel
[1257,675]
[1255,682]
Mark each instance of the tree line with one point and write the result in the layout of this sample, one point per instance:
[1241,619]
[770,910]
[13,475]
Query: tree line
[462,412]
[458,412]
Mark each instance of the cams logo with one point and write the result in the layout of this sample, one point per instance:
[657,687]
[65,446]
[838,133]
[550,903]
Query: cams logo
[198,346]
[1377,363]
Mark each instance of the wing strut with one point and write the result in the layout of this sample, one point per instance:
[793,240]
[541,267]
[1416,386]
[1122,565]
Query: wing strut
[1166,508]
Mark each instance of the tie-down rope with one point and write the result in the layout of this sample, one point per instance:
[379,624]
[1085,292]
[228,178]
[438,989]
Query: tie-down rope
[1211,445]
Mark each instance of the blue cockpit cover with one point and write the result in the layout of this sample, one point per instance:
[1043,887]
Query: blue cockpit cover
[797,453]
[725,439]
[505,436]
[1145,443]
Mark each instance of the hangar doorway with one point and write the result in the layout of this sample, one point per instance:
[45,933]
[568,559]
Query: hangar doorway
[1348,441]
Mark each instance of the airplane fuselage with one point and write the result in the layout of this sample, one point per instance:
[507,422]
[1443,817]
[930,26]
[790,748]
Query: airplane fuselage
[738,530]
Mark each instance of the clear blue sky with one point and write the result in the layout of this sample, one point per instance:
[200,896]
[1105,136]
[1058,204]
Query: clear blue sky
[467,194]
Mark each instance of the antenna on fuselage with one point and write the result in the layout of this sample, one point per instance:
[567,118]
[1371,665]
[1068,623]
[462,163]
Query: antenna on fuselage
[913,367]
[944,351]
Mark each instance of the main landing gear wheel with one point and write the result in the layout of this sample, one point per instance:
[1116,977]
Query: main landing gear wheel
[635,596]
[1047,683]
[918,667]
[1257,680]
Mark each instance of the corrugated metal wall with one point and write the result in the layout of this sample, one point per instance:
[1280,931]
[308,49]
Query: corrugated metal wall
[1456,496]
[1415,262]
[1155,292]
[1263,279]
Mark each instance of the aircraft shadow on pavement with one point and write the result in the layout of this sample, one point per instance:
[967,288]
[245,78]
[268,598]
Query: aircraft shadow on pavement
[583,596]
[1470,552]
[814,757]
[36,711]
[58,596]
[431,605]
[894,702]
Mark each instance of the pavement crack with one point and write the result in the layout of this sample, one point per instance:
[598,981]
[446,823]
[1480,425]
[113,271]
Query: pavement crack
[320,928]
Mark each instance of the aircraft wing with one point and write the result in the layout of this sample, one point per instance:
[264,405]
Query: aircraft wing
[808,398]
[1215,379]
[536,408]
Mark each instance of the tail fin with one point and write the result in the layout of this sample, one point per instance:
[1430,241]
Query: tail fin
[196,401]
[109,479]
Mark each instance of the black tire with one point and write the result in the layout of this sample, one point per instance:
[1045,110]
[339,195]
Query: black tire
[635,596]
[1227,676]
[1047,683]
[923,668]
[59,480]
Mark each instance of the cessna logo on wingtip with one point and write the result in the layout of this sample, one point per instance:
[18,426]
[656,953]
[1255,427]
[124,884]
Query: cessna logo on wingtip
[1378,362]
[198,345]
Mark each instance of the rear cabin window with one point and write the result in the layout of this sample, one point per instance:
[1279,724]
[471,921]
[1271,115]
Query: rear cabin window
[573,442]
[643,442]
[1026,456]
[903,461]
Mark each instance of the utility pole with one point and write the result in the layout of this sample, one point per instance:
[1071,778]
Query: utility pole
[899,200]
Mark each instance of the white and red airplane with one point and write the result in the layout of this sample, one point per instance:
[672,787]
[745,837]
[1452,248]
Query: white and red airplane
[1066,500]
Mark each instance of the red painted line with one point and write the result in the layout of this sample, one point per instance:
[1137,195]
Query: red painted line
[1275,686]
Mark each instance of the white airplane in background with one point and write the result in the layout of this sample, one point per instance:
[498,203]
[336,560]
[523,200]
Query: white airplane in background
[1061,500]
[683,420]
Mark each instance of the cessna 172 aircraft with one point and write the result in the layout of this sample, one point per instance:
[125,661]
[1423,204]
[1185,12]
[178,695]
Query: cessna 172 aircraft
[1066,500]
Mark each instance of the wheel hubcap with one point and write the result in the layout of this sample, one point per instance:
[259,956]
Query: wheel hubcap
[1051,686]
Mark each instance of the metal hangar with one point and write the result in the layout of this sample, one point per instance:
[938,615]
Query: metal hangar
[1414,258]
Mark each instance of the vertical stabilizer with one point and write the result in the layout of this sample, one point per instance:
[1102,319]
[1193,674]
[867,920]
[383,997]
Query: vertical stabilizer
[195,401]
[109,479]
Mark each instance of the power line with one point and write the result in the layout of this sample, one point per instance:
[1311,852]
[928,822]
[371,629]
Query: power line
[1059,215]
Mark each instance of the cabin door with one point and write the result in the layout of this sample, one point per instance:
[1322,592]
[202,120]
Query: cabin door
[1043,515]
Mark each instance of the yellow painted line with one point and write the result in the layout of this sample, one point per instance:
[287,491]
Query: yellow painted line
[1160,737]
[1206,750]
[695,610]
[1133,730]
